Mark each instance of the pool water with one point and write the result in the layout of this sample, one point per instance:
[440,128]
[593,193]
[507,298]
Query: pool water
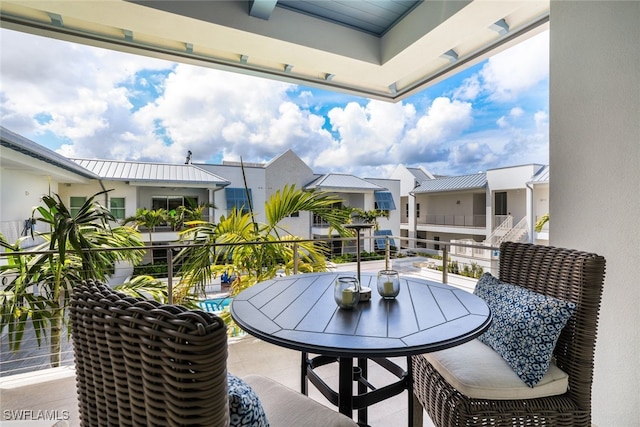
[215,304]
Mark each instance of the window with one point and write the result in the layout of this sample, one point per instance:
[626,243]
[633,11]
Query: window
[501,203]
[295,214]
[169,203]
[317,219]
[417,210]
[381,241]
[75,203]
[384,201]
[237,198]
[116,205]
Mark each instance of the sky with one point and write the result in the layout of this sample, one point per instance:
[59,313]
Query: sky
[86,102]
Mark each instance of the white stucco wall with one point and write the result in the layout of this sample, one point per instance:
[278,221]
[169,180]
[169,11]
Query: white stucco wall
[20,192]
[540,201]
[119,189]
[513,177]
[407,184]
[255,181]
[393,222]
[288,169]
[594,133]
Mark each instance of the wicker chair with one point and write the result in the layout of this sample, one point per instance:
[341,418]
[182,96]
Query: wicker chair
[139,363]
[566,274]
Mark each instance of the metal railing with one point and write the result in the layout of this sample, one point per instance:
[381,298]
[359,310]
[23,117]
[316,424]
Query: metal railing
[475,221]
[34,355]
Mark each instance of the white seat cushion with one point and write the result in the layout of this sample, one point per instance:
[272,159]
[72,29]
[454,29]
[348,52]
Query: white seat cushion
[288,408]
[477,371]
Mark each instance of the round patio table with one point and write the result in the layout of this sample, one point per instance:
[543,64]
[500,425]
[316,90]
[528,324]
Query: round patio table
[299,312]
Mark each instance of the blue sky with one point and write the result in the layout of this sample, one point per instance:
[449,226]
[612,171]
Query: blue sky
[93,103]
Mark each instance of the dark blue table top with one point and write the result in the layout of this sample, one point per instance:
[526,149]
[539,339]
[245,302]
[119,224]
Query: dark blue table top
[299,312]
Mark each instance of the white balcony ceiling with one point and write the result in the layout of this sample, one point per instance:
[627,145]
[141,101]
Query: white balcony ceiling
[380,49]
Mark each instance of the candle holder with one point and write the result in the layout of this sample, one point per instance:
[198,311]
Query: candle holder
[388,284]
[388,279]
[346,292]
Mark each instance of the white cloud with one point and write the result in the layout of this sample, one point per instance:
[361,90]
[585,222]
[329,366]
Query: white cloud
[516,112]
[541,119]
[104,104]
[63,88]
[473,153]
[365,132]
[428,140]
[508,74]
[469,89]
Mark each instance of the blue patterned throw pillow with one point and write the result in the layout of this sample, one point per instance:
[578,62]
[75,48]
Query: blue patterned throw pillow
[525,327]
[245,410]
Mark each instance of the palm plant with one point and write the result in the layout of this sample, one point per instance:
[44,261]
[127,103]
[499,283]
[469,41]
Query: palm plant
[541,222]
[38,285]
[149,219]
[255,250]
[183,215]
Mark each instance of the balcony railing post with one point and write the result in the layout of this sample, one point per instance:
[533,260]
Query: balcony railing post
[295,258]
[170,275]
[445,256]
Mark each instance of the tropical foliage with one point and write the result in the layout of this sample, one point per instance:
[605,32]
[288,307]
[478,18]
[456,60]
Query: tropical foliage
[255,251]
[541,222]
[368,217]
[148,218]
[37,285]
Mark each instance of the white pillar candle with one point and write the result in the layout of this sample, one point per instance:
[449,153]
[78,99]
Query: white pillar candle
[388,288]
[347,296]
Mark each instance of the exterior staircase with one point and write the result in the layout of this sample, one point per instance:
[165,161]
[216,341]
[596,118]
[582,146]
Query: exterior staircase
[507,232]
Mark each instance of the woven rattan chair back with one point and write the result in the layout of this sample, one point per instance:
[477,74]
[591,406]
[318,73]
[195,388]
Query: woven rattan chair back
[140,363]
[563,273]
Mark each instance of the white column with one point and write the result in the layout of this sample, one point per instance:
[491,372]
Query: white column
[594,148]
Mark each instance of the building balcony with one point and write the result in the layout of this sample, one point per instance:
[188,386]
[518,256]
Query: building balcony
[469,221]
[51,393]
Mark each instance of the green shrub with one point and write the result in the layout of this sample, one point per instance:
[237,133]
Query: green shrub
[156,270]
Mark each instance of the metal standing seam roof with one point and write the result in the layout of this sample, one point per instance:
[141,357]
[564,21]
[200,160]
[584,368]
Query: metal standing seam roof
[25,146]
[453,183]
[542,177]
[334,181]
[150,172]
[419,174]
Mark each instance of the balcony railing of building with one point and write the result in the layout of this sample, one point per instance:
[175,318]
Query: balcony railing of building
[474,221]
[34,352]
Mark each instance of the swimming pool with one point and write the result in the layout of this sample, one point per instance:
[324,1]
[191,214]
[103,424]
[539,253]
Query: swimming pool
[215,304]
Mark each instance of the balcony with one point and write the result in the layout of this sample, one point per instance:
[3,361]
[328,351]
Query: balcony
[51,393]
[470,221]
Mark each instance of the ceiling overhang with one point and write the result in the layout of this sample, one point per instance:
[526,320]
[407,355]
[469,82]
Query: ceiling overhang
[432,41]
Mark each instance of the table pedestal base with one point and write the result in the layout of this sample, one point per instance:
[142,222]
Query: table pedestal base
[367,393]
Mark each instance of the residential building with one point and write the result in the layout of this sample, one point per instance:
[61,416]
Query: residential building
[147,185]
[27,172]
[539,204]
[366,194]
[486,207]
[410,178]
